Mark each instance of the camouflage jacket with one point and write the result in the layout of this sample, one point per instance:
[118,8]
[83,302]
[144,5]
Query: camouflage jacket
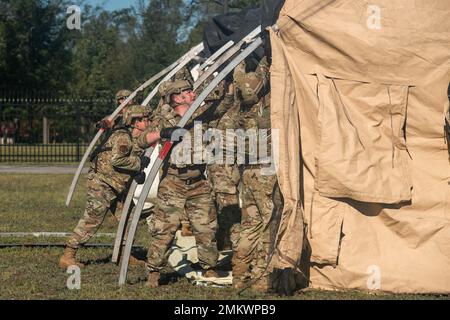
[118,160]
[203,115]
[253,95]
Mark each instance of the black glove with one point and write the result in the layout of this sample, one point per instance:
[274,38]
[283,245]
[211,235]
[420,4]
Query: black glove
[229,77]
[104,124]
[167,133]
[139,177]
[145,161]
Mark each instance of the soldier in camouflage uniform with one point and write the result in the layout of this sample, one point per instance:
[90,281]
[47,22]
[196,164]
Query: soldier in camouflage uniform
[184,189]
[182,74]
[224,179]
[121,96]
[114,163]
[250,259]
[109,125]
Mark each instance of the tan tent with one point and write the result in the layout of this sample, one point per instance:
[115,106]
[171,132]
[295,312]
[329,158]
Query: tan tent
[359,93]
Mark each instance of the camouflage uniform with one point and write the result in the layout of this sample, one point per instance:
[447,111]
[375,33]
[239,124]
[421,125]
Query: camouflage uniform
[122,94]
[183,191]
[114,163]
[184,74]
[118,122]
[250,259]
[224,179]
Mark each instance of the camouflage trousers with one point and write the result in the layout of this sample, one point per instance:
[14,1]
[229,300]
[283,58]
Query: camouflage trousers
[176,200]
[224,180]
[257,208]
[100,199]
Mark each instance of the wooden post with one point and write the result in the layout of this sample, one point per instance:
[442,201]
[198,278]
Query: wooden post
[78,115]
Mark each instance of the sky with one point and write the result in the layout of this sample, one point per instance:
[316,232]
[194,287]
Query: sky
[121,4]
[112,4]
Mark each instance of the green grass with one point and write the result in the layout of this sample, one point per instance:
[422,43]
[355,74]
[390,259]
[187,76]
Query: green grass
[31,203]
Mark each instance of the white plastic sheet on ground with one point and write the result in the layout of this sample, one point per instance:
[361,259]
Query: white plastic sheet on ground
[184,254]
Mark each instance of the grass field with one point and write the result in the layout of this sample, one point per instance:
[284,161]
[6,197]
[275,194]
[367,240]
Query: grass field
[32,203]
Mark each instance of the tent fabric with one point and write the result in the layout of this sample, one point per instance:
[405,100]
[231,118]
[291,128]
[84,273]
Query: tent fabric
[359,96]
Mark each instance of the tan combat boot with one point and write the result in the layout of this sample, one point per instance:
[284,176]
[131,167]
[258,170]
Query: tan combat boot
[153,280]
[210,273]
[69,259]
[134,262]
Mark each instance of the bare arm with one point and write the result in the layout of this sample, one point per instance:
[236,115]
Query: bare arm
[148,138]
[152,137]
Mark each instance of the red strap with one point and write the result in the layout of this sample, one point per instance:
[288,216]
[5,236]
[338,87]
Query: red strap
[165,149]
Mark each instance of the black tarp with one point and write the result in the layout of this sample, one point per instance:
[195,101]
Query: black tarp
[270,9]
[234,26]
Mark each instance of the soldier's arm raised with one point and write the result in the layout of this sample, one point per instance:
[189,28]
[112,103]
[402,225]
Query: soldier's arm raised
[148,138]
[162,129]
[153,137]
[206,114]
[227,102]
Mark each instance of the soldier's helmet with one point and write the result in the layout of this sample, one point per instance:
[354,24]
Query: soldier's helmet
[168,88]
[184,74]
[135,112]
[122,94]
[251,86]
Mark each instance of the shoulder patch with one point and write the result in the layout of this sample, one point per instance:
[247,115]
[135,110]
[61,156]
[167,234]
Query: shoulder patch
[123,143]
[124,149]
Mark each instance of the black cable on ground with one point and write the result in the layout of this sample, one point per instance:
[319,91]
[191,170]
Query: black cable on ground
[43,245]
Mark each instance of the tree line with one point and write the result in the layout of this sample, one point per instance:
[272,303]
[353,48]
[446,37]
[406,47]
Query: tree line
[112,50]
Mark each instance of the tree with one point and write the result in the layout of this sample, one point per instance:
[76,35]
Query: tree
[33,44]
[102,63]
[112,51]
[98,51]
[159,44]
[215,7]
[2,49]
